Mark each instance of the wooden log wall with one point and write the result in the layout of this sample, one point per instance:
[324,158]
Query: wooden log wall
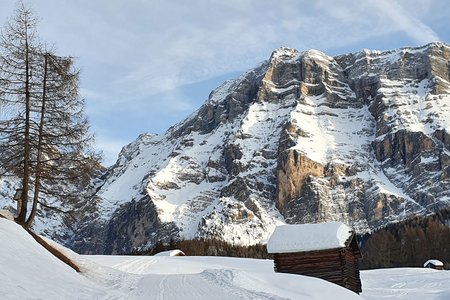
[339,266]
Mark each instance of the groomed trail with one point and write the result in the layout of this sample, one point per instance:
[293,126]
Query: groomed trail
[217,278]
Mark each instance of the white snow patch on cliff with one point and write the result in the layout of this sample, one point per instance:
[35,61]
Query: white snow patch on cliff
[332,135]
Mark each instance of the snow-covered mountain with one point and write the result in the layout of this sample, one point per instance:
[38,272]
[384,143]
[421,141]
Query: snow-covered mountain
[304,137]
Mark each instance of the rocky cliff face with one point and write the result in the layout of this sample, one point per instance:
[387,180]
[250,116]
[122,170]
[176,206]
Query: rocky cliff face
[362,138]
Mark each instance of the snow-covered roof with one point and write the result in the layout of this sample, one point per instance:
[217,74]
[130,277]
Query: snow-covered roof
[433,262]
[308,237]
[175,252]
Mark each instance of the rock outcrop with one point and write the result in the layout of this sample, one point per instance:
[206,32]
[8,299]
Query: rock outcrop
[361,138]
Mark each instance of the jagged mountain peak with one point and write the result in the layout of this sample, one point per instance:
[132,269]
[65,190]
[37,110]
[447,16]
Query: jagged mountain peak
[317,55]
[304,137]
[284,53]
[287,54]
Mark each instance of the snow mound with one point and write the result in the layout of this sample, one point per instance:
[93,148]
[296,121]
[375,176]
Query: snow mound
[175,252]
[308,237]
[30,271]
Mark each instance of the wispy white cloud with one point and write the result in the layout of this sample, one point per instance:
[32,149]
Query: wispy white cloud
[402,18]
[361,20]
[157,46]
[136,56]
[200,41]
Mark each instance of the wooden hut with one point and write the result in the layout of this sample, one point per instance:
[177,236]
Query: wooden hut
[434,264]
[328,251]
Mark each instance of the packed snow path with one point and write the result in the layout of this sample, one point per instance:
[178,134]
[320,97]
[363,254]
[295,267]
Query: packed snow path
[218,278]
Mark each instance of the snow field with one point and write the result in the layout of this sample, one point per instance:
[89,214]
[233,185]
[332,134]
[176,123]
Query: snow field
[406,283]
[28,271]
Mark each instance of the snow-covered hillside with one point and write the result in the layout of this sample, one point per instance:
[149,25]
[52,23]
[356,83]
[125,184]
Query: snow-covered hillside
[28,271]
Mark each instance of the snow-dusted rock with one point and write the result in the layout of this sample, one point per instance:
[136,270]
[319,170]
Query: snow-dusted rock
[361,138]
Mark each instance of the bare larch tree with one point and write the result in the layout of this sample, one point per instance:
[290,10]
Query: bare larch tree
[44,134]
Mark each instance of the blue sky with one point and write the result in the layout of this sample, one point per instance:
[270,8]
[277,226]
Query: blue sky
[148,64]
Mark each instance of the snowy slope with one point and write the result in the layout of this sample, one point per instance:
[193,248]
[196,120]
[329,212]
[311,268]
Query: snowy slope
[48,222]
[28,271]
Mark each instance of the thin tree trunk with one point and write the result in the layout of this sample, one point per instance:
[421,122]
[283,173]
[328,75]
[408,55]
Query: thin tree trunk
[37,183]
[26,160]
